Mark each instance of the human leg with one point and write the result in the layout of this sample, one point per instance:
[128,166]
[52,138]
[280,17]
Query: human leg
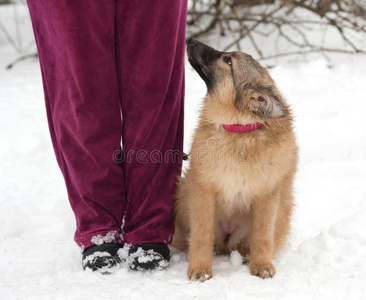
[150,51]
[76,47]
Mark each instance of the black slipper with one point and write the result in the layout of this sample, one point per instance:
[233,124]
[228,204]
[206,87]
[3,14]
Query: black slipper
[103,258]
[149,256]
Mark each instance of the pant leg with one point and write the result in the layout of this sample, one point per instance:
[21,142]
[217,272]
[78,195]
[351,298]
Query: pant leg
[151,48]
[76,46]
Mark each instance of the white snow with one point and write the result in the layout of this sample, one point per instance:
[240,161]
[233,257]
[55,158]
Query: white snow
[108,238]
[326,254]
[236,259]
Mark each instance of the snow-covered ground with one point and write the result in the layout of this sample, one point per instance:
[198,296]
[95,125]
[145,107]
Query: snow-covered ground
[326,254]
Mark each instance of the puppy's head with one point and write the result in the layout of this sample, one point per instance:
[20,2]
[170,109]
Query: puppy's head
[237,79]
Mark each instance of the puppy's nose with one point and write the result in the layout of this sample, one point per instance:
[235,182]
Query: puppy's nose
[192,41]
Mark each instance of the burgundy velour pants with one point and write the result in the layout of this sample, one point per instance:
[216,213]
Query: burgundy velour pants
[114,70]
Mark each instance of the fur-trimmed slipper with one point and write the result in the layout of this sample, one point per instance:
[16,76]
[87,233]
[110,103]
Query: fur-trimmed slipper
[102,258]
[149,256]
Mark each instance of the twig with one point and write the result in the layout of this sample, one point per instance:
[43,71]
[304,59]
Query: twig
[24,57]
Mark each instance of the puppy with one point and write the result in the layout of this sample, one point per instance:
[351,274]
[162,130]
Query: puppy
[237,192]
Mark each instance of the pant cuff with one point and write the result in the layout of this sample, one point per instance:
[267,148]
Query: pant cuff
[98,238]
[135,238]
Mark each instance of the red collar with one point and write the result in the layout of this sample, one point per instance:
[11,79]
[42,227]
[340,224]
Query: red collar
[242,128]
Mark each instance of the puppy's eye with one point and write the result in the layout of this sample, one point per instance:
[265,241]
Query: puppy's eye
[228,60]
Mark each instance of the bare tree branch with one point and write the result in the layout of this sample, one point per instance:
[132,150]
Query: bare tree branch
[303,25]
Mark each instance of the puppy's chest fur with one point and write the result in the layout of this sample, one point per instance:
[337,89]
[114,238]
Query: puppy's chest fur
[237,170]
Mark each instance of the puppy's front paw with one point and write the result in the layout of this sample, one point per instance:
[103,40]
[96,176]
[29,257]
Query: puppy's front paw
[199,274]
[266,271]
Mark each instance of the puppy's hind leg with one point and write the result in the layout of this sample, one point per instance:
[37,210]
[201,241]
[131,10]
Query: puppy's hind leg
[244,250]
[201,240]
[180,237]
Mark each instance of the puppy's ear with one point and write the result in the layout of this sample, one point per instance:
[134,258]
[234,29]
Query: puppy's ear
[270,104]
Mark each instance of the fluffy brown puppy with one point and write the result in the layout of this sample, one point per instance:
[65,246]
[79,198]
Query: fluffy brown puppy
[237,192]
